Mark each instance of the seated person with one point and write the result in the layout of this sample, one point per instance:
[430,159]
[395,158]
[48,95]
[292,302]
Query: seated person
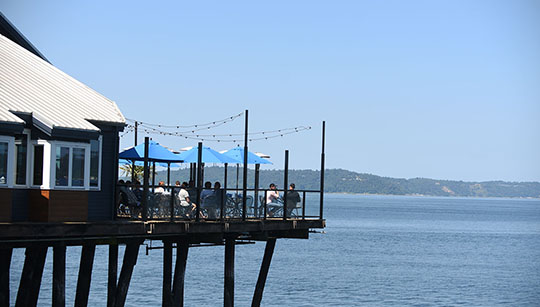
[185,200]
[161,188]
[272,200]
[127,200]
[293,198]
[208,201]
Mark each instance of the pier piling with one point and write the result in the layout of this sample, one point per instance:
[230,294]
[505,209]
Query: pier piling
[182,248]
[5,263]
[59,276]
[30,283]
[265,266]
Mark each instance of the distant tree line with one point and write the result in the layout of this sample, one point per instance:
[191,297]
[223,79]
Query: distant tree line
[344,181]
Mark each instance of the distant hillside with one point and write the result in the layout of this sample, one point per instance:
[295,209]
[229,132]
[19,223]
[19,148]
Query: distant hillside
[343,181]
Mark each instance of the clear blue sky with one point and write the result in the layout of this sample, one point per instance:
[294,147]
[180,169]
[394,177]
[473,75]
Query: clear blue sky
[437,89]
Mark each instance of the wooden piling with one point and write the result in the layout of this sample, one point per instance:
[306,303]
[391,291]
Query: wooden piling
[85,274]
[5,263]
[182,248]
[112,274]
[265,266]
[34,262]
[130,259]
[228,295]
[59,276]
[167,274]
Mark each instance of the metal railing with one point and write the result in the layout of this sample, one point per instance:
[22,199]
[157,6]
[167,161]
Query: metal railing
[163,203]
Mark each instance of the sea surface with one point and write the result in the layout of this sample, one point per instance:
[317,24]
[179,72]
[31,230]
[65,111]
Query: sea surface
[376,251]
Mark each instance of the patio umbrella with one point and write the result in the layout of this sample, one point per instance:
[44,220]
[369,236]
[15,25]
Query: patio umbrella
[208,156]
[156,153]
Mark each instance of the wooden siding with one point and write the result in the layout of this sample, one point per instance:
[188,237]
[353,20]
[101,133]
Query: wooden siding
[19,200]
[101,203]
[5,205]
[58,206]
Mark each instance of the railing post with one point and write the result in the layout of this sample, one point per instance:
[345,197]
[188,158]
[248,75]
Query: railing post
[256,210]
[145,180]
[285,184]
[244,183]
[265,205]
[199,179]
[322,173]
[304,205]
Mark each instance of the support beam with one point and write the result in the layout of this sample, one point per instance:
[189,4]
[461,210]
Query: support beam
[59,276]
[112,274]
[228,295]
[265,266]
[130,259]
[5,263]
[167,274]
[34,261]
[85,274]
[182,249]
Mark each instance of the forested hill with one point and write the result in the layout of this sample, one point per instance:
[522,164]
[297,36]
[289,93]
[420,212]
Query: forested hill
[343,181]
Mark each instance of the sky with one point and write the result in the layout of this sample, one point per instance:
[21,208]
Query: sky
[433,89]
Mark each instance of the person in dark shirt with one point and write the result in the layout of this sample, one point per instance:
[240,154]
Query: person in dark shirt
[293,198]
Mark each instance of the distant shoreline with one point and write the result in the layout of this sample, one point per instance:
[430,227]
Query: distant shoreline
[422,195]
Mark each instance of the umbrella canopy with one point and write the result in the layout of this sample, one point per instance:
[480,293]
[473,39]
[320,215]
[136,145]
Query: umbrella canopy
[208,156]
[156,153]
[237,153]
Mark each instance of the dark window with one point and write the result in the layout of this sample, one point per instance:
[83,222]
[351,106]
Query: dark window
[3,162]
[94,163]
[62,166]
[21,149]
[77,168]
[38,165]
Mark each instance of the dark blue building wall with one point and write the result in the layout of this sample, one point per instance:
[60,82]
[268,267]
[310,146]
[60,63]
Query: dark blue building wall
[101,204]
[19,210]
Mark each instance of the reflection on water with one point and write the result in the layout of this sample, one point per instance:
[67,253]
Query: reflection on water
[377,250]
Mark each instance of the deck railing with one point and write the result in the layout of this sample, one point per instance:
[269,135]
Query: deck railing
[222,204]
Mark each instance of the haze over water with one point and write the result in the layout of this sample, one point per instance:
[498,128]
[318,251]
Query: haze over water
[377,251]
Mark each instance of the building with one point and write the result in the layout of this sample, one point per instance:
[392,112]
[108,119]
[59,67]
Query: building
[58,140]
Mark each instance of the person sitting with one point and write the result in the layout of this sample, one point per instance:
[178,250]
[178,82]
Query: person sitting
[161,188]
[127,200]
[272,200]
[185,200]
[137,190]
[208,201]
[293,198]
[218,195]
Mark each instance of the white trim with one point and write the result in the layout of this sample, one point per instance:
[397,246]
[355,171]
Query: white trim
[10,172]
[28,158]
[86,172]
[100,153]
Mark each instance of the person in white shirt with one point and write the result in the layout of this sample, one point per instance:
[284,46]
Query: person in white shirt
[185,201]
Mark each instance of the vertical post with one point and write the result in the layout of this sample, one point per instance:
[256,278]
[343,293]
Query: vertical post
[285,184]
[59,276]
[304,205]
[153,176]
[133,162]
[228,295]
[265,204]
[322,173]
[182,249]
[34,262]
[5,263]
[130,259]
[167,274]
[112,274]
[244,183]
[199,184]
[144,201]
[256,193]
[85,274]
[263,273]
[169,174]
[225,176]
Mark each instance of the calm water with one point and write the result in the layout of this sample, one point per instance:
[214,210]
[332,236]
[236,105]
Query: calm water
[377,251]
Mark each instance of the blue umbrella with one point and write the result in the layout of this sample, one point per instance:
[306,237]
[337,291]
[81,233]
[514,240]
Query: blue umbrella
[208,156]
[237,153]
[141,163]
[156,153]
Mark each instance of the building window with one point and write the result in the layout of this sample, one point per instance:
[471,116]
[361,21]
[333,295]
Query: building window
[4,146]
[38,165]
[21,149]
[94,162]
[62,166]
[77,168]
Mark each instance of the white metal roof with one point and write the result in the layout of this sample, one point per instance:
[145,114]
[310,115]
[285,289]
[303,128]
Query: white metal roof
[31,85]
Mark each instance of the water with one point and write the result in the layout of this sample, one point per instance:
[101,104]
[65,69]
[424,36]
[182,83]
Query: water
[377,251]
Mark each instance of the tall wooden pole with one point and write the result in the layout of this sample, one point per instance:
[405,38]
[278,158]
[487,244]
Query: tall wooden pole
[112,275]
[144,201]
[265,266]
[182,248]
[244,183]
[167,274]
[228,295]
[5,263]
[30,283]
[199,181]
[59,276]
[285,184]
[85,274]
[322,172]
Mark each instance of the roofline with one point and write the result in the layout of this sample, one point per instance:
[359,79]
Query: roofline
[12,33]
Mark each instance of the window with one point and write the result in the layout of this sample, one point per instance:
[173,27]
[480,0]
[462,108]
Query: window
[77,167]
[94,162]
[62,166]
[4,146]
[21,148]
[38,165]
